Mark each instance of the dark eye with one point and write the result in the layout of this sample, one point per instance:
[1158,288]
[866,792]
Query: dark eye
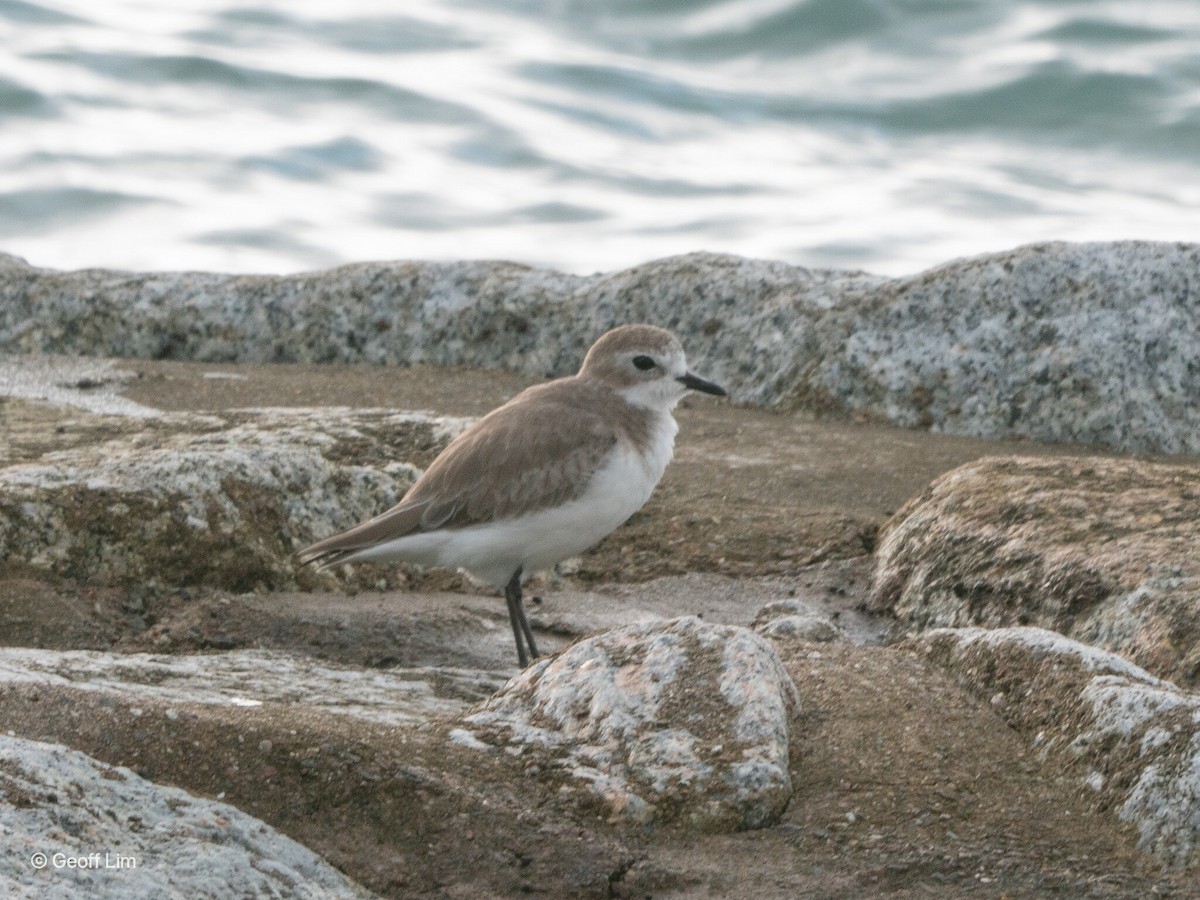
[643,362]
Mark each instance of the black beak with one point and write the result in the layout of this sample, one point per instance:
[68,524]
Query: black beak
[691,382]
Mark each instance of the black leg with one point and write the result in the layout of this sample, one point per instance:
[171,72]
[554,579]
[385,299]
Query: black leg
[522,632]
[525,627]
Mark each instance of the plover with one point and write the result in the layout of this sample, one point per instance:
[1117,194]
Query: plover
[541,478]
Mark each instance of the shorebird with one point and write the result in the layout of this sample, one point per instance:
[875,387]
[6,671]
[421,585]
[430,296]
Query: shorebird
[541,478]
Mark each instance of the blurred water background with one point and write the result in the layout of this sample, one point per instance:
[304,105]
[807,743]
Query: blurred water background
[588,135]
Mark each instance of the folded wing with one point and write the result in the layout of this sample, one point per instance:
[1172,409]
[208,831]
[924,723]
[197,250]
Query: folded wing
[535,452]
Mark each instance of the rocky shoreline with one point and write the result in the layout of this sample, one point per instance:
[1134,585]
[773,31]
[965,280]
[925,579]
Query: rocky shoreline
[1090,343]
[850,647]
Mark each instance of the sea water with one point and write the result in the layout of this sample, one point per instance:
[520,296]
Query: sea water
[886,135]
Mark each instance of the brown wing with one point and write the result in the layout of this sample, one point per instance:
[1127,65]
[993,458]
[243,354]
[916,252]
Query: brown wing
[536,451]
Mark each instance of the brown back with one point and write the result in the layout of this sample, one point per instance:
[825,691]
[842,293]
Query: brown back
[537,451]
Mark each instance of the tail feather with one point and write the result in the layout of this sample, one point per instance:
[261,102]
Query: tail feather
[336,549]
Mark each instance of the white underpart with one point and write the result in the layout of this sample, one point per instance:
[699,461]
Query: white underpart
[492,552]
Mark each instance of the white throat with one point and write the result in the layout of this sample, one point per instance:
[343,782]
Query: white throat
[661,396]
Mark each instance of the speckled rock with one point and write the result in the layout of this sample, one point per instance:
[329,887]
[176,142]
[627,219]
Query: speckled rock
[739,314]
[1094,343]
[75,827]
[796,620]
[250,678]
[206,500]
[1131,738]
[677,721]
[1104,550]
[1091,342]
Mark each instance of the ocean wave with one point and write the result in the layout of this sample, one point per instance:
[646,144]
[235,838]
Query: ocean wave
[17,100]
[266,86]
[887,135]
[42,210]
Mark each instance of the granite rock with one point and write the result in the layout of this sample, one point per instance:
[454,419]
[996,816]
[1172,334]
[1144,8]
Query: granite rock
[75,827]
[1106,551]
[1130,738]
[798,620]
[252,678]
[1087,343]
[1093,343]
[222,501]
[678,721]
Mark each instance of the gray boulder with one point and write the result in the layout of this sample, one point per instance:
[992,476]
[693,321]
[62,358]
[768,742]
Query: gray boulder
[223,501]
[1106,551]
[677,721]
[248,679]
[1085,343]
[75,827]
[1093,343]
[798,620]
